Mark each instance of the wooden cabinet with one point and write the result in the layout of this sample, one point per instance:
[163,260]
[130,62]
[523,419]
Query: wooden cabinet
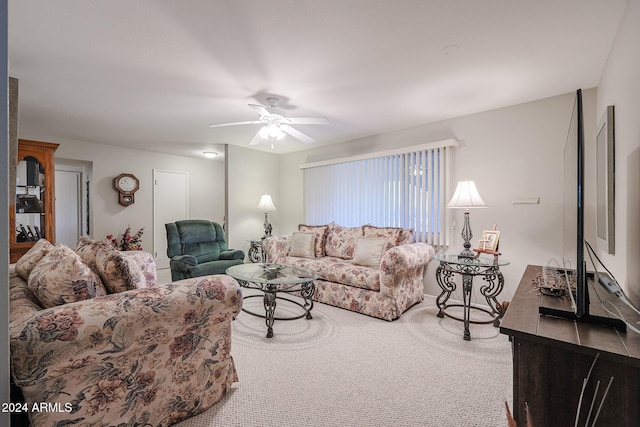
[552,357]
[32,214]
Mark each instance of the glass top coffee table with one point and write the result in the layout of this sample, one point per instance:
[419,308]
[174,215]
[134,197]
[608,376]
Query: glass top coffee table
[274,279]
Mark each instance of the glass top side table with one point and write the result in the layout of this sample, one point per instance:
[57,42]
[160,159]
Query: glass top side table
[468,268]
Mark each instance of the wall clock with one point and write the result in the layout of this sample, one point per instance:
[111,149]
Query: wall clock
[126,185]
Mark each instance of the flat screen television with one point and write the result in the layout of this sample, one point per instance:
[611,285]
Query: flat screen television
[574,262]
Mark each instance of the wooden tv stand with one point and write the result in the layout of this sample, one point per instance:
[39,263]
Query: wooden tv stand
[552,357]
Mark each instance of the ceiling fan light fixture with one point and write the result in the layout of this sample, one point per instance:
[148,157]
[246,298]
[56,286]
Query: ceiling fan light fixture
[272,131]
[275,126]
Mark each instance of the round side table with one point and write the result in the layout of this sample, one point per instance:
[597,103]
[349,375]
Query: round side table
[468,268]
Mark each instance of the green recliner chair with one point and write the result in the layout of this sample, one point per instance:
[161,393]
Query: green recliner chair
[198,248]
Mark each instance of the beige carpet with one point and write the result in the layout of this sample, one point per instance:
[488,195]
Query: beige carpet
[346,369]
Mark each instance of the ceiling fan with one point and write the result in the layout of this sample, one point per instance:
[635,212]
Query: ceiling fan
[276,125]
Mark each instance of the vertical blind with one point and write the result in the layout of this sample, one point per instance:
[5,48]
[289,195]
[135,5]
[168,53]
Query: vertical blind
[407,190]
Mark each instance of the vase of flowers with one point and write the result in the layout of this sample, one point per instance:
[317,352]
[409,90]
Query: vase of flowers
[127,242]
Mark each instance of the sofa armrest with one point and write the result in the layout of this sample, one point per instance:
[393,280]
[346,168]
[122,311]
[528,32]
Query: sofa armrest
[166,322]
[402,264]
[232,254]
[406,257]
[276,247]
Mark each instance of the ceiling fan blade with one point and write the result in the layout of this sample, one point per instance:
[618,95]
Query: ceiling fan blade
[261,109]
[308,120]
[253,122]
[256,139]
[297,134]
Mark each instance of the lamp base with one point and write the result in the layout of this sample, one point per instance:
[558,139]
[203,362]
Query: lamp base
[267,227]
[467,253]
[466,236]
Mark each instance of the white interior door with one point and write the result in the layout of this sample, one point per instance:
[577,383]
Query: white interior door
[171,203]
[68,207]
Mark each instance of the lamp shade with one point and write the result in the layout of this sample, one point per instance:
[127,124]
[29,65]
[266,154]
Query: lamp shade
[266,204]
[466,196]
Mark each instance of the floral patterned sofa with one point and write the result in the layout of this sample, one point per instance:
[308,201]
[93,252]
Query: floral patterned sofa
[372,270]
[101,344]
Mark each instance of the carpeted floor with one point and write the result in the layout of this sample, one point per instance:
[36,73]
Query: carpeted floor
[346,369]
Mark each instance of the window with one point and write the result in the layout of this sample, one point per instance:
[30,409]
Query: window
[406,188]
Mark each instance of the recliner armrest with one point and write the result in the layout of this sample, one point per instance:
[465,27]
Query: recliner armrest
[186,259]
[231,254]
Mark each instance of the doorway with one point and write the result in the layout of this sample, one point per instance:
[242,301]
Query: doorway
[68,207]
[72,201]
[171,203]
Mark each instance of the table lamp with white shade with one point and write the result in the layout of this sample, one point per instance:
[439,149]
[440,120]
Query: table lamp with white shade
[466,197]
[266,205]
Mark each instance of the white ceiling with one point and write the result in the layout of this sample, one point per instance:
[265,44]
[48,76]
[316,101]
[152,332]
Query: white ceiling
[153,74]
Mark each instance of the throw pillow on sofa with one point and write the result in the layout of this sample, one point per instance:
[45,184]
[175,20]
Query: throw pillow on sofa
[61,278]
[341,241]
[406,237]
[399,236]
[30,259]
[118,272]
[303,245]
[88,248]
[321,235]
[390,234]
[147,265]
[368,252]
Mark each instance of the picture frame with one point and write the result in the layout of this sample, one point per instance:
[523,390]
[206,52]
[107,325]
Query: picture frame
[605,182]
[490,240]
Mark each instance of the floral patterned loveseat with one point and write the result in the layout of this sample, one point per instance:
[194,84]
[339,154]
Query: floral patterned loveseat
[372,270]
[120,351]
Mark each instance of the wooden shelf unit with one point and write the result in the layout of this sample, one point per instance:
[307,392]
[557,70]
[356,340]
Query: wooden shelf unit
[43,152]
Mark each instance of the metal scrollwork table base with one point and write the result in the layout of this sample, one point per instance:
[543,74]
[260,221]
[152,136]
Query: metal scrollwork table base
[468,268]
[256,253]
[286,280]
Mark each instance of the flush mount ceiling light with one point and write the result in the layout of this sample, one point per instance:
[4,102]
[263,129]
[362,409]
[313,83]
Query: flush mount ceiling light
[210,154]
[275,125]
[450,49]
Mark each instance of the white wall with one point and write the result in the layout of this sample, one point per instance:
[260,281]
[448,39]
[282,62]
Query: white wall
[620,86]
[206,186]
[251,173]
[4,219]
[512,153]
